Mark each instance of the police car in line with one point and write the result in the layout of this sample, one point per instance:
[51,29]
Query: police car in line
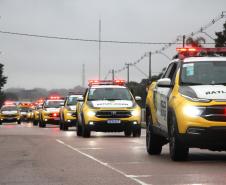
[35,112]
[24,110]
[187,106]
[49,114]
[10,112]
[68,114]
[109,106]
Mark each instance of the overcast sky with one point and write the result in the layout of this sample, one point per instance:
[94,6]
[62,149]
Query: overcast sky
[38,62]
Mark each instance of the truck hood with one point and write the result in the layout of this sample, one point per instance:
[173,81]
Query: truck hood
[9,112]
[112,104]
[211,92]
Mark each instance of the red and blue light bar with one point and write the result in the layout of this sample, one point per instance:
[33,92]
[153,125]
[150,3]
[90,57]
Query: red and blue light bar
[106,82]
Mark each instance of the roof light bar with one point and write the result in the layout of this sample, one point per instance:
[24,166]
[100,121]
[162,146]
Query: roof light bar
[214,50]
[106,82]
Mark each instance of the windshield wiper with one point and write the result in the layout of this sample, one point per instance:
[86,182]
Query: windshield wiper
[191,83]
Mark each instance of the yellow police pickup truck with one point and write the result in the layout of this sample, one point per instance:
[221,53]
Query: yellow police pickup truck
[10,112]
[109,106]
[187,106]
[49,113]
[68,113]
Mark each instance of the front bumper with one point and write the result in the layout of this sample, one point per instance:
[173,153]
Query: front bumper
[51,120]
[103,126]
[10,119]
[212,138]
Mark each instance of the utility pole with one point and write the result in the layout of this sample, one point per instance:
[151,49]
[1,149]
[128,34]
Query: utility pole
[127,66]
[184,40]
[113,74]
[83,75]
[149,65]
[99,49]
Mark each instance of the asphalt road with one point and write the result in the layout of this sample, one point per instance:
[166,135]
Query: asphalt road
[47,156]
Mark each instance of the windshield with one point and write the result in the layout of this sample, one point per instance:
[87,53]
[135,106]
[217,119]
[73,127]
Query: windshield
[53,103]
[204,73]
[9,108]
[24,109]
[109,94]
[72,100]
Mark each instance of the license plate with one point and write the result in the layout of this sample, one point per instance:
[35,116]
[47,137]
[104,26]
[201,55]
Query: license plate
[56,119]
[113,121]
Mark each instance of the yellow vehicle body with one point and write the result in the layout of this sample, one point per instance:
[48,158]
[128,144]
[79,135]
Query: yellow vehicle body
[10,114]
[173,115]
[50,112]
[68,113]
[101,116]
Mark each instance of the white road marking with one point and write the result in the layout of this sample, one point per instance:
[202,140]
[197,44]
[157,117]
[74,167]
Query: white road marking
[90,148]
[132,177]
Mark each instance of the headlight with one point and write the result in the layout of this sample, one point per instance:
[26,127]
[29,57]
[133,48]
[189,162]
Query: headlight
[192,111]
[189,93]
[91,113]
[135,113]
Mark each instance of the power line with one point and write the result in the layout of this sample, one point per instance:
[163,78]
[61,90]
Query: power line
[178,38]
[84,40]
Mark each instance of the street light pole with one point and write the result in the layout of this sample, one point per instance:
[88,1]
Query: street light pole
[127,66]
[113,74]
[149,66]
[99,49]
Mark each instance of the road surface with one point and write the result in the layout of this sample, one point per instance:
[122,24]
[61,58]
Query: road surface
[47,156]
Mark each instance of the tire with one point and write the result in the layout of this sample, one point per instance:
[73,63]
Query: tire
[137,132]
[153,141]
[64,124]
[0,123]
[35,123]
[85,130]
[79,130]
[18,122]
[128,132]
[41,123]
[178,150]
[61,126]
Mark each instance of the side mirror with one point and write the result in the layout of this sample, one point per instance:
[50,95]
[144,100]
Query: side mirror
[80,98]
[138,98]
[164,82]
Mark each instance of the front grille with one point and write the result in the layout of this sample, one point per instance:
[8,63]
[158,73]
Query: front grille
[215,113]
[9,116]
[113,114]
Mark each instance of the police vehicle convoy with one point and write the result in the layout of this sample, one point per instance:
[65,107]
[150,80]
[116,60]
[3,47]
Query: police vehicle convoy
[10,112]
[49,113]
[108,106]
[68,113]
[187,106]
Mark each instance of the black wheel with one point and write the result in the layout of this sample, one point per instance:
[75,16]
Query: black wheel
[35,122]
[85,131]
[18,122]
[0,123]
[137,132]
[64,125]
[178,150]
[41,123]
[127,132]
[79,130]
[61,125]
[153,141]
